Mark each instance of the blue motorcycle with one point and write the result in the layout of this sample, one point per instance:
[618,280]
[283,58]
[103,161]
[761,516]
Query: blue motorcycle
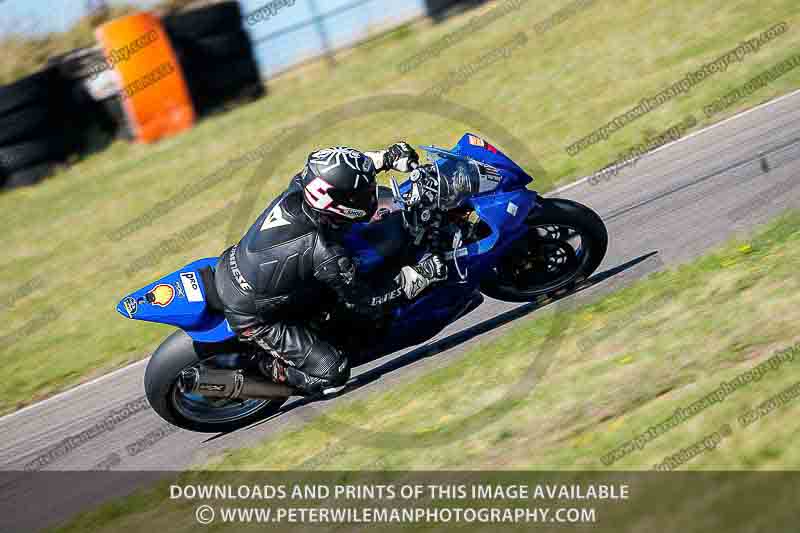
[470,204]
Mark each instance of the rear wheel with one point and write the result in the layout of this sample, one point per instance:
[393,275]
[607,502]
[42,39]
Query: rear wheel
[193,411]
[565,243]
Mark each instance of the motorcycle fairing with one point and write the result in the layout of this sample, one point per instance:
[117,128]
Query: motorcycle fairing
[473,146]
[175,300]
[503,210]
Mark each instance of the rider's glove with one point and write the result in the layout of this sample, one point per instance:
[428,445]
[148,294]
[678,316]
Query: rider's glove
[416,279]
[400,157]
[424,187]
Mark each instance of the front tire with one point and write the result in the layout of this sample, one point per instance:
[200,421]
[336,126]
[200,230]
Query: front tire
[547,262]
[176,353]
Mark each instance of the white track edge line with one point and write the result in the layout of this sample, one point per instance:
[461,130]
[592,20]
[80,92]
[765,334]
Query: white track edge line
[77,388]
[710,127]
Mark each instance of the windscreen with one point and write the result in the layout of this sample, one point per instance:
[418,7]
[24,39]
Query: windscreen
[460,177]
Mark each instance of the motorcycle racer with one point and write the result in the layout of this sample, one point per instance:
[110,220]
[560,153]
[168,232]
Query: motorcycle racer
[293,256]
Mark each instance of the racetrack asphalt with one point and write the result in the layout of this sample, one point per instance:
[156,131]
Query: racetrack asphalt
[679,201]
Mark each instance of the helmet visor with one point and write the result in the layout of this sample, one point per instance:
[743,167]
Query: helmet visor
[359,205]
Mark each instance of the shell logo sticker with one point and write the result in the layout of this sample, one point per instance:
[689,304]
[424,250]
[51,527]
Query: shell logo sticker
[161,295]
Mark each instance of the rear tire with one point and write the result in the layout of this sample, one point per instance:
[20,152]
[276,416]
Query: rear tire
[559,213]
[176,353]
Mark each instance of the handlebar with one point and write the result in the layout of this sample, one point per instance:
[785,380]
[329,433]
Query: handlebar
[425,210]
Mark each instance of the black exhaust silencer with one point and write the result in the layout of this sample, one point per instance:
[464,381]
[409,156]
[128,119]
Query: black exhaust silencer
[229,385]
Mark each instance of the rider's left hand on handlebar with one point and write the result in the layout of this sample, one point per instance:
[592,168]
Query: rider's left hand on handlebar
[401,157]
[423,186]
[416,279]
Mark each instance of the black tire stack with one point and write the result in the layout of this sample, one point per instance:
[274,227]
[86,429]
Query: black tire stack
[440,10]
[216,55]
[33,135]
[94,112]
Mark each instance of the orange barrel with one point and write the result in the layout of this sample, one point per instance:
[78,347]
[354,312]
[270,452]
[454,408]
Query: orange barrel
[152,87]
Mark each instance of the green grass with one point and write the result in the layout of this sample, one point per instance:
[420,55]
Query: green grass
[706,322]
[21,55]
[556,89]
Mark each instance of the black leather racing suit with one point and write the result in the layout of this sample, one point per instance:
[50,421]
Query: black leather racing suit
[274,280]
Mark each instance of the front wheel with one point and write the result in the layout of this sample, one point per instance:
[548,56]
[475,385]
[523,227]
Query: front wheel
[565,243]
[193,411]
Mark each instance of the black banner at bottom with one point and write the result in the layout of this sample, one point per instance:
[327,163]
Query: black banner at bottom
[667,502]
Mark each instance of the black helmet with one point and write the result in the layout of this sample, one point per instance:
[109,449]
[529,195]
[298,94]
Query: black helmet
[339,185]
